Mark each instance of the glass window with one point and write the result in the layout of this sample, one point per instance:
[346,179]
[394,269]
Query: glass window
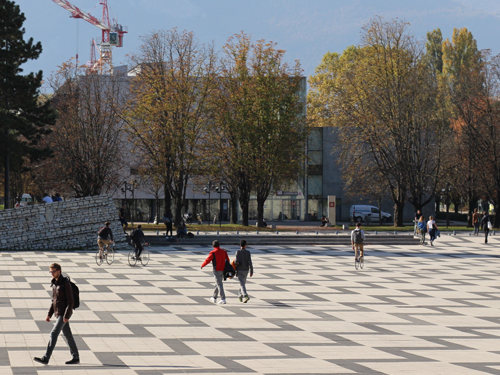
[315,157]
[315,140]
[315,185]
[374,210]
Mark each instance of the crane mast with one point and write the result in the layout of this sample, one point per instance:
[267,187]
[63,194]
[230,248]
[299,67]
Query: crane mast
[112,34]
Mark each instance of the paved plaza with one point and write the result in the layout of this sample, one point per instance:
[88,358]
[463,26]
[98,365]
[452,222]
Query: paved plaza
[411,310]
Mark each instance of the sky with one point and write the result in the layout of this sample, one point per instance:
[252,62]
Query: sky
[306,29]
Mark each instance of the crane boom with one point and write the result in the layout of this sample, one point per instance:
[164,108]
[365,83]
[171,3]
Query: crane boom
[78,13]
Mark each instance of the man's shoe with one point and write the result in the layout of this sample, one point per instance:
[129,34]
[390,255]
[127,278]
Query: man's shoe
[240,298]
[42,360]
[246,299]
[213,300]
[222,302]
[74,361]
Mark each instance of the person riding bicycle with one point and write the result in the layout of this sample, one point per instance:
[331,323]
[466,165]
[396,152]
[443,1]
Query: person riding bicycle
[104,237]
[357,240]
[137,237]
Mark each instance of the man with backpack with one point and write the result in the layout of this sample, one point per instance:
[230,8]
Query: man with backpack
[104,237]
[62,305]
[218,258]
[357,240]
[138,238]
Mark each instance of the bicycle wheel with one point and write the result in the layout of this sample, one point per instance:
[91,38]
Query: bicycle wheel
[98,259]
[110,255]
[145,257]
[131,258]
[362,262]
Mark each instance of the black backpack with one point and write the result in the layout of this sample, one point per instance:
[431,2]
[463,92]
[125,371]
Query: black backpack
[358,239]
[100,231]
[76,294]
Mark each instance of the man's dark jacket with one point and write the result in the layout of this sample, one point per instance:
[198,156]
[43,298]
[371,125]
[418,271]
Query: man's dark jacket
[62,298]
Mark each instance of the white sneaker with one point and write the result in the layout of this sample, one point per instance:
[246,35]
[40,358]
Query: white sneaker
[213,300]
[222,302]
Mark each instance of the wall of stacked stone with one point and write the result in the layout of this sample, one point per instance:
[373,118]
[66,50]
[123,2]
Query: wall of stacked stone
[71,224]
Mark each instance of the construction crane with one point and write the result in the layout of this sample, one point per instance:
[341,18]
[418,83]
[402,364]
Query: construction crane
[112,34]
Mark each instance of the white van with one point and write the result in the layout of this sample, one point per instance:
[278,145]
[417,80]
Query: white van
[362,213]
[25,200]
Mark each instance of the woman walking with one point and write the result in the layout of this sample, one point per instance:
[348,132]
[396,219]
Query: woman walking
[475,222]
[422,229]
[432,229]
[485,225]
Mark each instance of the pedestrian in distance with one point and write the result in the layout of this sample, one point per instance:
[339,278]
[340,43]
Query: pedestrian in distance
[57,198]
[47,198]
[218,258]
[181,230]
[475,222]
[432,228]
[244,265]
[357,241]
[167,219]
[62,308]
[422,229]
[123,212]
[485,225]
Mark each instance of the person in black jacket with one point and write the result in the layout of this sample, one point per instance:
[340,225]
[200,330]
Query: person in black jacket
[484,225]
[243,265]
[62,308]
[104,237]
[138,239]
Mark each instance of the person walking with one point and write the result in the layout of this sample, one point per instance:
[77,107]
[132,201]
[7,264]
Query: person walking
[218,258]
[422,229]
[62,308]
[432,229]
[168,223]
[123,212]
[357,241]
[475,222]
[485,225]
[243,266]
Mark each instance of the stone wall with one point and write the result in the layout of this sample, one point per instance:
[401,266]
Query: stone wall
[60,225]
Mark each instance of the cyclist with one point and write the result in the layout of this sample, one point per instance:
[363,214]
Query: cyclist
[357,240]
[104,237]
[137,237]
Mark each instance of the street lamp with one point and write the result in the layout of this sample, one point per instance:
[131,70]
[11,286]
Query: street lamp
[218,189]
[447,202]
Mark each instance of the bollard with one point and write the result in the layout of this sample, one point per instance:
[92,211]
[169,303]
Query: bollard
[316,232]
[257,232]
[157,232]
[376,232]
[296,232]
[197,232]
[454,232]
[395,232]
[217,232]
[469,234]
[277,232]
[238,232]
[494,232]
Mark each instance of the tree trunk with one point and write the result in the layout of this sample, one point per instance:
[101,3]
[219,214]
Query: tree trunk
[244,211]
[234,207]
[398,213]
[496,221]
[168,200]
[437,203]
[260,210]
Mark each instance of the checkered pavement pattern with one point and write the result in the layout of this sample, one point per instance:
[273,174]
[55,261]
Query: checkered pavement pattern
[411,310]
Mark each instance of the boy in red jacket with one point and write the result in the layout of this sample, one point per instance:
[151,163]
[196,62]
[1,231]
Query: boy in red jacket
[218,258]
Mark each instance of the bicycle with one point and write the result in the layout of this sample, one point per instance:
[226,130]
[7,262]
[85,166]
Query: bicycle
[359,262]
[108,253]
[144,258]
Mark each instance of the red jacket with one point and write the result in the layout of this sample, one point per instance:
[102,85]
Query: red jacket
[218,258]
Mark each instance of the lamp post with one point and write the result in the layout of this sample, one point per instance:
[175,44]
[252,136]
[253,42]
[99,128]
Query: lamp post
[134,185]
[218,189]
[129,187]
[447,205]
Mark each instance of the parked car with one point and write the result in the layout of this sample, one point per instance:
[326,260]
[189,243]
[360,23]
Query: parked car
[25,200]
[364,213]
